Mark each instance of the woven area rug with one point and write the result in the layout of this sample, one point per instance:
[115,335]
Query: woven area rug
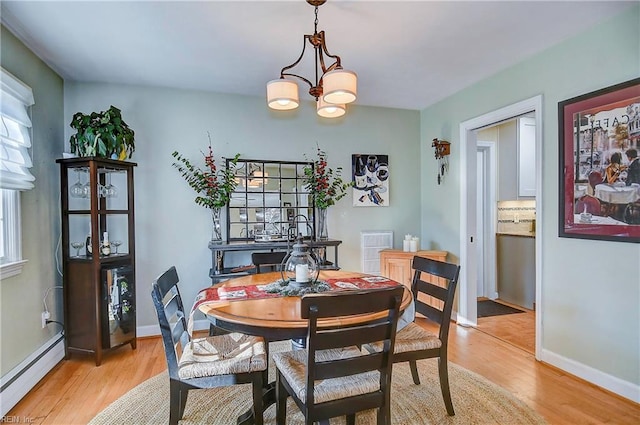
[475,400]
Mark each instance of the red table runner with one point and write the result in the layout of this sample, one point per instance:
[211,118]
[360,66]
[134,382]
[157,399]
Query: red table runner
[249,292]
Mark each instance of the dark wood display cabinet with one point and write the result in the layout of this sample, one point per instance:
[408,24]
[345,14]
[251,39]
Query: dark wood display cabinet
[98,252]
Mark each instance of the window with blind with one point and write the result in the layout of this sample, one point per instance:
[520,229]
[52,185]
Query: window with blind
[15,161]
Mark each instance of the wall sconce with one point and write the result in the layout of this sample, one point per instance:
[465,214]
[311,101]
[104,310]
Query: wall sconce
[442,151]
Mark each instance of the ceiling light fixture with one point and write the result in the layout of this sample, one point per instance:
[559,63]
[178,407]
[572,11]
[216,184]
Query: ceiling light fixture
[333,86]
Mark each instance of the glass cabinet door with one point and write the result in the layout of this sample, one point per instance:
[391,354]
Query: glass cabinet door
[111,194]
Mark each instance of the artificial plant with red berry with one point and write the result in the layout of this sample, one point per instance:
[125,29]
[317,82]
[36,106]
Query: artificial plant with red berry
[213,185]
[325,184]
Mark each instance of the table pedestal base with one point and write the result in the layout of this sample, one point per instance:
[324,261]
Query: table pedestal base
[268,398]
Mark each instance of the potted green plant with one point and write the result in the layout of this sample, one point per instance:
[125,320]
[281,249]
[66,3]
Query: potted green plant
[102,134]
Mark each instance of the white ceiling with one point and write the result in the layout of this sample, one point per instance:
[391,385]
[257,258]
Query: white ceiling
[407,54]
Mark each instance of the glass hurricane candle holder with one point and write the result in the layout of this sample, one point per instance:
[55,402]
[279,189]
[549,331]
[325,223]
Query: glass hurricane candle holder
[300,266]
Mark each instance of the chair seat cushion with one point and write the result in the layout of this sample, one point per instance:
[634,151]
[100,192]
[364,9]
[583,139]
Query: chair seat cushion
[293,364]
[412,338]
[221,355]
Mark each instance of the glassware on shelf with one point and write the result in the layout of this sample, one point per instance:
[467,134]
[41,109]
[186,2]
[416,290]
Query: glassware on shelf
[105,247]
[77,246]
[110,191]
[87,188]
[116,244]
[77,189]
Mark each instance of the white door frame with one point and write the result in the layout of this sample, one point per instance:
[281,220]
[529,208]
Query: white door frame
[490,214]
[467,308]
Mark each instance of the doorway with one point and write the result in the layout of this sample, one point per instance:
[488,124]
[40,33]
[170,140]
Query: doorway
[505,248]
[467,312]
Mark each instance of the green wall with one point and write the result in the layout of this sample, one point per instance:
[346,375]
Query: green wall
[172,230]
[21,296]
[590,289]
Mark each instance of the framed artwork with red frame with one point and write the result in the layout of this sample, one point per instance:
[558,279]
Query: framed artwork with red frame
[599,140]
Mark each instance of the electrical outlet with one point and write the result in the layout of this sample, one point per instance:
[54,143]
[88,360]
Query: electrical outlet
[45,316]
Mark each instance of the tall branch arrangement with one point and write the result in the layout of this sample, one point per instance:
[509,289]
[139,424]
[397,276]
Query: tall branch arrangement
[212,184]
[325,184]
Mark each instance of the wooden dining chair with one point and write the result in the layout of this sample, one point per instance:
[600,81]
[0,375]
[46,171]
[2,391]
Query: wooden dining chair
[332,377]
[204,362]
[414,342]
[272,260]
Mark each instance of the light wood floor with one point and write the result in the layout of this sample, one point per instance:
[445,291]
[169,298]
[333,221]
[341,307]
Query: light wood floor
[76,390]
[518,329]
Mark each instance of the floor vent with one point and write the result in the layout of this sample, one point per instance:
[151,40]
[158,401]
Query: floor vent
[371,242]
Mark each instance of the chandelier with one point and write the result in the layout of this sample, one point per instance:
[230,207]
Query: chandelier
[333,87]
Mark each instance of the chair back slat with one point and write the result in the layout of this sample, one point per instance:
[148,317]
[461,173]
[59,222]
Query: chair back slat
[357,335]
[437,268]
[432,290]
[349,305]
[440,273]
[167,281]
[429,311]
[344,304]
[348,366]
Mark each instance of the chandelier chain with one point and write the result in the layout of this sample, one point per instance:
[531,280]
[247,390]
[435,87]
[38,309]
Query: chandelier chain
[315,23]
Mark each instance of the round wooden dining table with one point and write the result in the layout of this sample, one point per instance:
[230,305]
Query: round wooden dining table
[277,318]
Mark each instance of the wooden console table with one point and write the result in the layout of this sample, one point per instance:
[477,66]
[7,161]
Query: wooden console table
[219,272]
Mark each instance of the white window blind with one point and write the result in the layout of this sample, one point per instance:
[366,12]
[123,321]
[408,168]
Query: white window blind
[15,139]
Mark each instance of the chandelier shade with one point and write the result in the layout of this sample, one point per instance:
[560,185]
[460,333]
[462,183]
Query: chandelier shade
[282,94]
[330,110]
[332,84]
[339,86]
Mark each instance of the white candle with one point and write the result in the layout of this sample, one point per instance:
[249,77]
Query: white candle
[302,273]
[105,237]
[413,245]
[406,245]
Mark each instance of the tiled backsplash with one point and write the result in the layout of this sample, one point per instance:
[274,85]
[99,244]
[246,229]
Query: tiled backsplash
[517,217]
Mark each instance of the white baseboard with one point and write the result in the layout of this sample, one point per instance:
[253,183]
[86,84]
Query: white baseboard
[151,330]
[22,378]
[611,383]
[154,330]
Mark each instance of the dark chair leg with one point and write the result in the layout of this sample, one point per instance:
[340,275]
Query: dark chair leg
[384,411]
[382,417]
[177,400]
[214,330]
[414,371]
[258,410]
[444,385]
[281,401]
[351,419]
